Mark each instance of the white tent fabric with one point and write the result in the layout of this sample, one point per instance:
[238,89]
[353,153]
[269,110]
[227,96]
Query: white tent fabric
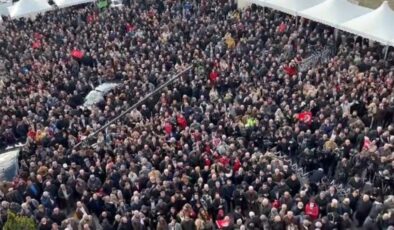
[4,7]
[67,3]
[290,6]
[28,8]
[376,25]
[243,4]
[334,12]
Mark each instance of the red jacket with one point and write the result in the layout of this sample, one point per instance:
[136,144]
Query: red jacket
[237,165]
[313,212]
[181,121]
[213,76]
[168,128]
[290,70]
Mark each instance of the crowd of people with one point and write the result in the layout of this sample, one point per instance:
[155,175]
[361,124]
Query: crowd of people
[244,140]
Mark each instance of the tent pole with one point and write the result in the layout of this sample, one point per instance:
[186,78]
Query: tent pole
[386,51]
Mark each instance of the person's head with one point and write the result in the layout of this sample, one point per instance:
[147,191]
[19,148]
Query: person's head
[287,194]
[300,205]
[293,177]
[322,195]
[334,203]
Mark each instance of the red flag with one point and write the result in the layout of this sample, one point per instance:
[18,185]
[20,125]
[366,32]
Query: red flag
[367,143]
[223,223]
[305,117]
[78,54]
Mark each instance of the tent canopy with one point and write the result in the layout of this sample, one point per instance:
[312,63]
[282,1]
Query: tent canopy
[24,8]
[291,6]
[334,12]
[4,8]
[67,3]
[376,25]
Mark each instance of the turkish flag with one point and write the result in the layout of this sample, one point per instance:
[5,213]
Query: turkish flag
[223,223]
[305,117]
[78,54]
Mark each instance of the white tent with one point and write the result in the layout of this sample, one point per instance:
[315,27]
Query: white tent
[376,25]
[334,12]
[4,7]
[67,3]
[27,8]
[291,6]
